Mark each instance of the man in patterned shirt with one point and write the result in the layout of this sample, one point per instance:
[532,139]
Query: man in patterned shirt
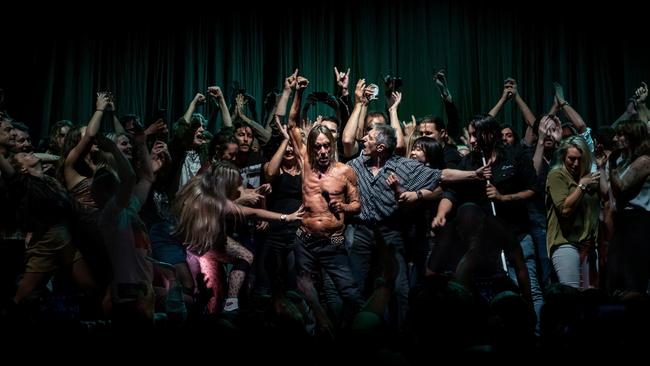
[378,172]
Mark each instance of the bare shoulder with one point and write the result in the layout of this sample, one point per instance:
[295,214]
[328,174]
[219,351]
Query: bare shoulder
[346,171]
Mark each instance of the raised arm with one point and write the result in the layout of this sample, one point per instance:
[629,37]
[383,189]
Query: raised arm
[453,117]
[294,113]
[349,136]
[289,84]
[215,92]
[198,100]
[72,177]
[272,168]
[343,100]
[506,95]
[117,125]
[124,171]
[547,127]
[572,115]
[529,116]
[394,121]
[260,132]
[145,169]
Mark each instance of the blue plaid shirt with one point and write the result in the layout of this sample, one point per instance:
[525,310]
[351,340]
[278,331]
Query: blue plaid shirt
[377,198]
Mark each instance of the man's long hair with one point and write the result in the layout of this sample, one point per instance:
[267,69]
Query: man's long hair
[312,153]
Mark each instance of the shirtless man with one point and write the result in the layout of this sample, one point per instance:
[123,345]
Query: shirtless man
[329,192]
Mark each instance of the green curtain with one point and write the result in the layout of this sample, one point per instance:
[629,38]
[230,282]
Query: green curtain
[162,65]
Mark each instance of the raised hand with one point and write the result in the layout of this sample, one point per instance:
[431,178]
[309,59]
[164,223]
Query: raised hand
[641,93]
[302,82]
[509,88]
[555,128]
[559,94]
[290,81]
[371,92]
[359,95]
[215,91]
[397,98]
[441,83]
[342,78]
[281,128]
[198,99]
[409,127]
[104,102]
[157,127]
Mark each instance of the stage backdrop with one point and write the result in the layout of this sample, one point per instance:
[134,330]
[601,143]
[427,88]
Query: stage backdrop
[160,61]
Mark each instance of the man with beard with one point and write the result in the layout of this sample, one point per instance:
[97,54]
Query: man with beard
[329,192]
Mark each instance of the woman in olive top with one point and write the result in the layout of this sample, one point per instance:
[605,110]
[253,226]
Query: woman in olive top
[572,214]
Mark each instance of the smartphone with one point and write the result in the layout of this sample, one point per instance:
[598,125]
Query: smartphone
[161,114]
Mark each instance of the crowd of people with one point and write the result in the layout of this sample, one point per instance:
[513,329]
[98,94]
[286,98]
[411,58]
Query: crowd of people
[452,233]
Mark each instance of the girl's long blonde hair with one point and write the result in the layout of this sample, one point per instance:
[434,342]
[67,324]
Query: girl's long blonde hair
[201,205]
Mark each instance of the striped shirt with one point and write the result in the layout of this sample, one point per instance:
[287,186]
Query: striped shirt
[377,198]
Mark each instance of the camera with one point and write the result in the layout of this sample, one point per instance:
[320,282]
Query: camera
[393,83]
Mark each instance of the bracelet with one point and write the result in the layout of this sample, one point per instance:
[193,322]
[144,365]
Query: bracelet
[100,110]
[564,104]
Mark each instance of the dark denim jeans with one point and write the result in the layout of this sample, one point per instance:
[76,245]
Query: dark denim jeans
[362,250]
[319,253]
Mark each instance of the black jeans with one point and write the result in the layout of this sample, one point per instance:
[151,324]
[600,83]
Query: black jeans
[333,259]
[361,252]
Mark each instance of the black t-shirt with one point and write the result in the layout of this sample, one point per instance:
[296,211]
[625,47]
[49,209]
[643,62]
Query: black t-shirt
[512,172]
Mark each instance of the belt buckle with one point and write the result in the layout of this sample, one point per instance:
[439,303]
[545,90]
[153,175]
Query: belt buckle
[303,235]
[337,240]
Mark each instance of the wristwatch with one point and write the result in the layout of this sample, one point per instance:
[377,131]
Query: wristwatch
[283,217]
[582,186]
[419,194]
